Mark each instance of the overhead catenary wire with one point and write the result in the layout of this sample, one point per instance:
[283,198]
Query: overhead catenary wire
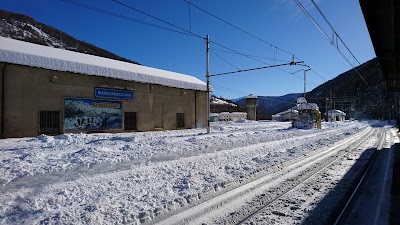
[180,31]
[238,28]
[248,93]
[334,32]
[323,78]
[261,57]
[230,90]
[190,19]
[332,41]
[253,58]
[250,69]
[154,17]
[82,5]
[147,14]
[224,60]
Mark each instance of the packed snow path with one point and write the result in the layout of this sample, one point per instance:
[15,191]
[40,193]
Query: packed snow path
[144,177]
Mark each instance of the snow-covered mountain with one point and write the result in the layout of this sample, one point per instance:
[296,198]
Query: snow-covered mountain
[24,28]
[218,105]
[220,101]
[347,91]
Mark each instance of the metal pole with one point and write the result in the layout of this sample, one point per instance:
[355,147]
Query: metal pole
[330,105]
[305,71]
[326,109]
[208,82]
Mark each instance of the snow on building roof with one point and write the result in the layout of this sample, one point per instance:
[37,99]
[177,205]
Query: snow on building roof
[214,114]
[304,106]
[301,100]
[238,113]
[28,54]
[251,96]
[287,111]
[336,112]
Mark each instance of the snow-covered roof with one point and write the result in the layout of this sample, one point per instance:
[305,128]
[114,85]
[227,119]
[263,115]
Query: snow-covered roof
[214,114]
[288,111]
[238,113]
[301,100]
[28,54]
[251,96]
[336,112]
[304,106]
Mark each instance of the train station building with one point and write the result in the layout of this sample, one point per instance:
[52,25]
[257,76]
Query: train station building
[46,90]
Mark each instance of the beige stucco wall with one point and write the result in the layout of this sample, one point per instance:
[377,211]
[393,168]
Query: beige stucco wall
[29,90]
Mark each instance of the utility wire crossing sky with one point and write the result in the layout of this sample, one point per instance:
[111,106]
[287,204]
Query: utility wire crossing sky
[171,35]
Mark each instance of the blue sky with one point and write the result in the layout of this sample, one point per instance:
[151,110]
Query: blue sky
[278,22]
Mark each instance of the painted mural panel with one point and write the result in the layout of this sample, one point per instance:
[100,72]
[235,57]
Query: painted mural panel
[92,114]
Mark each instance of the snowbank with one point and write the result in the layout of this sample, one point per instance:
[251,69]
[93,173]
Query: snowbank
[134,177]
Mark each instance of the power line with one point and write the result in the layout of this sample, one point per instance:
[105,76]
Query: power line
[251,57]
[334,31]
[230,89]
[183,31]
[252,69]
[130,7]
[329,39]
[149,15]
[232,25]
[190,19]
[82,5]
[319,75]
[240,29]
[261,57]
[224,60]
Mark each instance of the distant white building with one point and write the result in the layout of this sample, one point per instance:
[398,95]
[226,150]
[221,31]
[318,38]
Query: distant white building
[290,114]
[233,116]
[224,116]
[336,115]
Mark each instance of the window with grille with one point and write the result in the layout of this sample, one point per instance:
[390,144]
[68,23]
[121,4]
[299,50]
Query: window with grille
[130,121]
[49,122]
[180,120]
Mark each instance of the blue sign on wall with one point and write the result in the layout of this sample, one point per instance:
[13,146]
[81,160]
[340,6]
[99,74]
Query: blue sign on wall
[112,93]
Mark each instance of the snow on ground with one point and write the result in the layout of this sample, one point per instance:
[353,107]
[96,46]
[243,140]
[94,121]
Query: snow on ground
[133,177]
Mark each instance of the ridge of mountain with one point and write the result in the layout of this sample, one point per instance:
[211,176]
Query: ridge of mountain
[346,92]
[24,28]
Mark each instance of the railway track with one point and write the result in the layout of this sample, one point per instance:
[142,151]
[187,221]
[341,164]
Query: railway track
[244,203]
[379,164]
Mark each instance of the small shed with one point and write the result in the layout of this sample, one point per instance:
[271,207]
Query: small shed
[336,115]
[214,117]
